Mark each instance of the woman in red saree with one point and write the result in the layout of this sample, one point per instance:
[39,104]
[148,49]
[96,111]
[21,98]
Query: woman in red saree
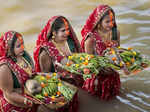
[99,33]
[15,68]
[55,43]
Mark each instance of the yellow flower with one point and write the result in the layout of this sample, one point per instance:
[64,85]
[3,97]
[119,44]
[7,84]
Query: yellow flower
[134,52]
[77,65]
[59,84]
[54,74]
[86,61]
[119,47]
[113,52]
[42,77]
[81,58]
[53,97]
[121,64]
[74,54]
[70,57]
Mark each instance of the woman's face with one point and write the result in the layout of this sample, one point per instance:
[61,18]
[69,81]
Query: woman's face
[19,47]
[107,23]
[62,34]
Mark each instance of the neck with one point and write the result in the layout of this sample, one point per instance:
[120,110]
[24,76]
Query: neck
[103,30]
[59,42]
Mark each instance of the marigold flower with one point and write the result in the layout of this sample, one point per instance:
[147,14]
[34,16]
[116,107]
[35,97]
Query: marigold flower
[85,63]
[58,93]
[132,60]
[114,58]
[130,48]
[68,64]
[45,94]
[127,63]
[48,76]
[43,84]
[53,97]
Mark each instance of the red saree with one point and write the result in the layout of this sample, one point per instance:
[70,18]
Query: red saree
[108,83]
[21,75]
[43,42]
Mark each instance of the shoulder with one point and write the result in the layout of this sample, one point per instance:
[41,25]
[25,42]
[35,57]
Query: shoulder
[90,39]
[44,55]
[4,68]
[4,72]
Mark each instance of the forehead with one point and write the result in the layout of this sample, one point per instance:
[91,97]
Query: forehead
[107,17]
[63,27]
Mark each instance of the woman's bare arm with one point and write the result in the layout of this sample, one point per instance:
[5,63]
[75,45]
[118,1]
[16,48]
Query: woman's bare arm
[6,85]
[89,45]
[45,62]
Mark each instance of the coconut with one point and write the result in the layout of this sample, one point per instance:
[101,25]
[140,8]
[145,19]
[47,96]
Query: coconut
[33,86]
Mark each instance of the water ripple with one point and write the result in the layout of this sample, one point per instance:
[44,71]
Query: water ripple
[138,12]
[130,104]
[141,94]
[144,29]
[132,21]
[137,99]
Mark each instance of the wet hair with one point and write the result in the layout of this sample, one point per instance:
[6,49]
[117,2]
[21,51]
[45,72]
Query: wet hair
[114,29]
[58,23]
[12,45]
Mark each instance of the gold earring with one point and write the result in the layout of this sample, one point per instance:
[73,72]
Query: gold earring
[53,37]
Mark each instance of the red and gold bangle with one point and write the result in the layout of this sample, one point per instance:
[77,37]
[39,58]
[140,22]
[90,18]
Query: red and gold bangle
[28,102]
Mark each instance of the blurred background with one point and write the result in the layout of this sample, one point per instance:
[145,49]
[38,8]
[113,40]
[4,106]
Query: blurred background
[133,18]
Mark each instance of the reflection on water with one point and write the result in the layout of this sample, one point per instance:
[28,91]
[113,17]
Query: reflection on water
[133,18]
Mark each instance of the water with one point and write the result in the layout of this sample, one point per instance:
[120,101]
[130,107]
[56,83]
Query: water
[133,19]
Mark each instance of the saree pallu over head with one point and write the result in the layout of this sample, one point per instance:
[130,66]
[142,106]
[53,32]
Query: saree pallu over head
[7,58]
[89,28]
[43,41]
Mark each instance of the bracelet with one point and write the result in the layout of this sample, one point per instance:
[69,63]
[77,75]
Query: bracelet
[28,102]
[25,101]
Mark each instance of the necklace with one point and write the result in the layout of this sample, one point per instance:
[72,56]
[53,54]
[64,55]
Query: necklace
[24,64]
[63,48]
[106,37]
